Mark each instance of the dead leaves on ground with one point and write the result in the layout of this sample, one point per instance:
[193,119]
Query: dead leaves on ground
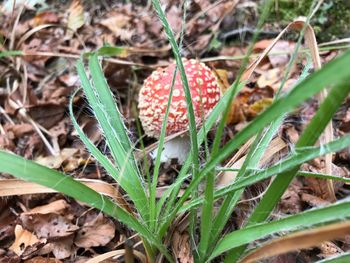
[58,228]
[42,82]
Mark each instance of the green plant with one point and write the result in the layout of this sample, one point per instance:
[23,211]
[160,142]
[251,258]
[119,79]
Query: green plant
[153,217]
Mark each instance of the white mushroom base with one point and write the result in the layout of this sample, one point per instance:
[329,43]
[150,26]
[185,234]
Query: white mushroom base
[177,148]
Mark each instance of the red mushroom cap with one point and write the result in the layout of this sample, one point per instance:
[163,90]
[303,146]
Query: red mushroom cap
[154,97]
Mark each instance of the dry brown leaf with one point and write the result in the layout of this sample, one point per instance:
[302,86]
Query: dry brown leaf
[57,206]
[43,260]
[48,114]
[345,123]
[118,24]
[269,77]
[290,200]
[303,239]
[182,248]
[24,239]
[276,59]
[45,17]
[61,248]
[225,178]
[49,226]
[329,249]
[6,142]
[319,187]
[57,161]
[19,130]
[11,187]
[313,200]
[259,106]
[7,225]
[76,16]
[97,232]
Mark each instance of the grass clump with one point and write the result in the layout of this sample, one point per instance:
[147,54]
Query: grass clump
[152,218]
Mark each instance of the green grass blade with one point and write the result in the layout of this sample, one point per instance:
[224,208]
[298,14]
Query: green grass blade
[252,160]
[153,209]
[299,173]
[335,72]
[129,178]
[189,104]
[100,157]
[332,74]
[31,171]
[108,51]
[301,156]
[336,212]
[105,96]
[308,138]
[172,192]
[259,145]
[209,235]
[11,53]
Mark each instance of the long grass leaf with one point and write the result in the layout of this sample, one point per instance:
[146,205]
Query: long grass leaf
[189,104]
[335,72]
[301,156]
[128,178]
[31,171]
[308,138]
[336,212]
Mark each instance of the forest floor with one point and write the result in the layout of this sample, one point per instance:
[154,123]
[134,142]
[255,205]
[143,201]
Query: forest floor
[39,226]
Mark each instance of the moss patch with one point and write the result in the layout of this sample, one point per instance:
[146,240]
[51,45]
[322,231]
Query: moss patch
[332,21]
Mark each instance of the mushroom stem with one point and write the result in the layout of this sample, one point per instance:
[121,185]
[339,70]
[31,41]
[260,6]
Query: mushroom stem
[176,148]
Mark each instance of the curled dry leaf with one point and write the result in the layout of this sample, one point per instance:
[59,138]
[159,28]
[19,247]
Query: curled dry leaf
[57,161]
[96,232]
[24,239]
[118,24]
[57,206]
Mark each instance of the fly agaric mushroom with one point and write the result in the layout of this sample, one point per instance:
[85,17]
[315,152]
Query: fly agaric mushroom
[154,97]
